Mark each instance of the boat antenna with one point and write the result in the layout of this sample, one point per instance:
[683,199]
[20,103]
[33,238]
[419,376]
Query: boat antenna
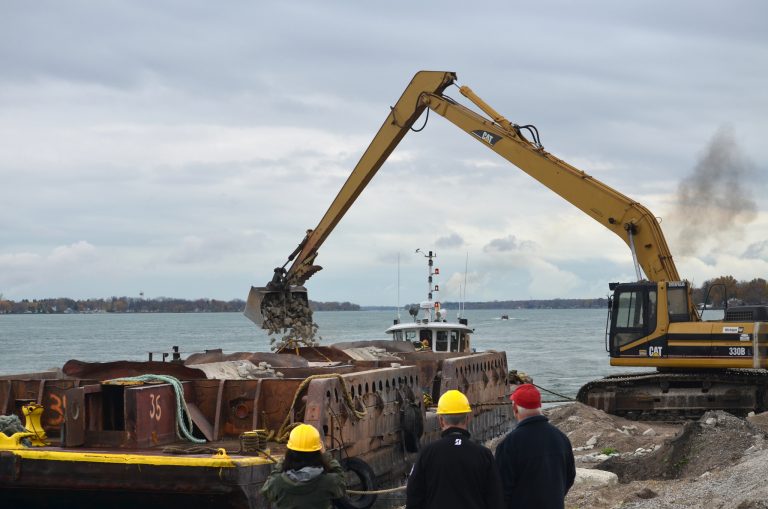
[463,292]
[398,287]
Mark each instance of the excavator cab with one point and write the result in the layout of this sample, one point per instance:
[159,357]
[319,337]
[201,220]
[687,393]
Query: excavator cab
[632,314]
[640,315]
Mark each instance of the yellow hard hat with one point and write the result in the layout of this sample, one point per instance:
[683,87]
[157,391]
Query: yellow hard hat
[453,402]
[304,438]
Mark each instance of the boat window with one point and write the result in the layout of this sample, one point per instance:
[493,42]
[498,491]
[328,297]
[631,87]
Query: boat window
[442,341]
[426,335]
[463,342]
[398,335]
[410,335]
[455,341]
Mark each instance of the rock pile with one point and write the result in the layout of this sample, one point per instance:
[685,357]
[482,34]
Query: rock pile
[237,370]
[717,462]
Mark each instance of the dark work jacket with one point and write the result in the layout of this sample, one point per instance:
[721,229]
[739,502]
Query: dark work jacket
[536,465]
[316,493]
[454,472]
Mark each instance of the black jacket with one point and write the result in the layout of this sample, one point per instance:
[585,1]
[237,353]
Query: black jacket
[454,472]
[536,465]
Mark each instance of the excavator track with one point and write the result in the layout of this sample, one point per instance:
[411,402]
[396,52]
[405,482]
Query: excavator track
[676,396]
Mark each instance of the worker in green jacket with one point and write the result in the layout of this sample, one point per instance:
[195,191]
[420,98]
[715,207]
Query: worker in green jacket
[308,477]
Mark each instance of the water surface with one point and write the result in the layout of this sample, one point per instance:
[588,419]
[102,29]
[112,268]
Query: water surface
[560,348]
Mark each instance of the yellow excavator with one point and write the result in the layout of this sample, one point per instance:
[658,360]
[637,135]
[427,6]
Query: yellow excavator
[653,322]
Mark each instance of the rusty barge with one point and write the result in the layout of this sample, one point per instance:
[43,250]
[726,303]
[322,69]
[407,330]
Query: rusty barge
[95,437]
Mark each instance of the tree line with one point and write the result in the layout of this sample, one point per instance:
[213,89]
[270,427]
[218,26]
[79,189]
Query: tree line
[533,304]
[719,290]
[140,305]
[716,291]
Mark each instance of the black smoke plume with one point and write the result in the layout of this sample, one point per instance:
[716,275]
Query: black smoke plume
[715,201]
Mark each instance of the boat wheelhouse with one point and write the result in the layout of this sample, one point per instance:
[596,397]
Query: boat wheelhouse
[430,328]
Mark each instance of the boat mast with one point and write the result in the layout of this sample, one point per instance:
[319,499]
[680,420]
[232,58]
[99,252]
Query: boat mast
[431,305]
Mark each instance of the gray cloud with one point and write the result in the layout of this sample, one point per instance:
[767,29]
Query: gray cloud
[449,241]
[757,250]
[507,244]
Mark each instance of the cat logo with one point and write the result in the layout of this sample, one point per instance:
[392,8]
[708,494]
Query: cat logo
[654,351]
[487,137]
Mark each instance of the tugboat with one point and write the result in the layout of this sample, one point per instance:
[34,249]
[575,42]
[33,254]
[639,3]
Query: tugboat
[430,328]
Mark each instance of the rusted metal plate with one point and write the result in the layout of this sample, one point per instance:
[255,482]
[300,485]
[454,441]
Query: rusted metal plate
[74,405]
[482,377]
[380,393]
[54,403]
[120,369]
[150,415]
[200,421]
[6,393]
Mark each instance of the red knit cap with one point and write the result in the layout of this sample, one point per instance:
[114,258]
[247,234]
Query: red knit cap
[527,396]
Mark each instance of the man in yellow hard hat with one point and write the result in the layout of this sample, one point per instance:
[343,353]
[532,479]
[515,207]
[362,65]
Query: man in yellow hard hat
[307,478]
[454,471]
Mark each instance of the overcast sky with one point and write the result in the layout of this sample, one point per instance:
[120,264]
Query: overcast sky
[181,148]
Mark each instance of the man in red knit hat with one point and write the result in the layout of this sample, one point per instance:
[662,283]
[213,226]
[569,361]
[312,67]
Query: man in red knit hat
[535,459]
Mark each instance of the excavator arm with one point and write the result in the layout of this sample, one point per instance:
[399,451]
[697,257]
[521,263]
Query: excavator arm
[631,221]
[401,118]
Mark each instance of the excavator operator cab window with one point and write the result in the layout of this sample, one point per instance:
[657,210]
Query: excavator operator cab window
[677,303]
[633,315]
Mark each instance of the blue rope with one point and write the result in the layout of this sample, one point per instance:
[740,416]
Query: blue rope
[183,426]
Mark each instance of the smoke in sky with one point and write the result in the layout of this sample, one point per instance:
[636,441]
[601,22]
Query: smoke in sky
[715,201]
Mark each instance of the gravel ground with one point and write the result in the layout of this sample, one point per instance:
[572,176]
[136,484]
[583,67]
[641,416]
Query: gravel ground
[718,462]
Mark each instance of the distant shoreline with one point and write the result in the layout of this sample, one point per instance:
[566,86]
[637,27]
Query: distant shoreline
[169,305]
